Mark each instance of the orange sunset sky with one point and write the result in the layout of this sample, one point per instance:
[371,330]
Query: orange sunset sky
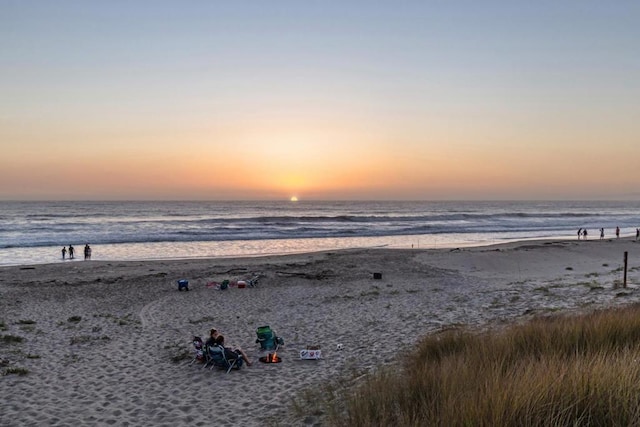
[322,100]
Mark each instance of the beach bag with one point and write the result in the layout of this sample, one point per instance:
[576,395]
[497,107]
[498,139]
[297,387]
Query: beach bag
[224,285]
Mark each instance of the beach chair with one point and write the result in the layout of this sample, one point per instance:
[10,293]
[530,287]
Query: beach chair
[267,338]
[253,281]
[199,355]
[219,358]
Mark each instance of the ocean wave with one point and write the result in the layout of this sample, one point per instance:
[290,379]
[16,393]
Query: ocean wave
[35,225]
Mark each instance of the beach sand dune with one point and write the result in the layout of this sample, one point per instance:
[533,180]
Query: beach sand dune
[100,339]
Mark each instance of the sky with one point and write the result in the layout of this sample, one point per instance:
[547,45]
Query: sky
[323,100]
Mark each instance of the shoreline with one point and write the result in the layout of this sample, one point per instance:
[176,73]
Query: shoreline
[455,244]
[105,332]
[149,251]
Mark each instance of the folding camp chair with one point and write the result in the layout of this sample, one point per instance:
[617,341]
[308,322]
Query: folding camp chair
[219,358]
[267,338]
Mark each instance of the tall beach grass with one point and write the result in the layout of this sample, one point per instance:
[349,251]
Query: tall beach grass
[563,370]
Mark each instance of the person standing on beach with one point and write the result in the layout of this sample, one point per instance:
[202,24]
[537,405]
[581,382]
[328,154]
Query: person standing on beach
[87,252]
[579,233]
[601,233]
[637,233]
[64,252]
[584,234]
[71,250]
[617,232]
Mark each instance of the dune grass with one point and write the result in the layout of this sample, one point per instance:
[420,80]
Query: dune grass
[559,371]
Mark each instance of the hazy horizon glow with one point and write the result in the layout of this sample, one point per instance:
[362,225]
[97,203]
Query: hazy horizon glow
[321,100]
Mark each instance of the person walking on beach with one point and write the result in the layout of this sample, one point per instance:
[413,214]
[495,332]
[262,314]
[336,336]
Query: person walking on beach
[601,233]
[617,232]
[64,252]
[637,233]
[87,252]
[579,233]
[584,234]
[71,250]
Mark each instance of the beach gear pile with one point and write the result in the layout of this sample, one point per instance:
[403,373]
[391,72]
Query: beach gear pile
[250,282]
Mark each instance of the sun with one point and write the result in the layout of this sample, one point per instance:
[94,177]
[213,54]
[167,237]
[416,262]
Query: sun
[294,199]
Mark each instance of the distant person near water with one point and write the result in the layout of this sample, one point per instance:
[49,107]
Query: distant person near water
[637,233]
[617,232]
[579,233]
[64,252]
[601,233]
[71,250]
[87,251]
[584,234]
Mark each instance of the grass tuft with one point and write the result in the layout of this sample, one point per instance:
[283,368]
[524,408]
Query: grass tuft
[15,371]
[11,339]
[181,355]
[557,370]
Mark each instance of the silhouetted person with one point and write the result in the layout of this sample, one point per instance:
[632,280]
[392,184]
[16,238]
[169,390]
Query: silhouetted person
[579,233]
[601,233]
[617,232]
[71,250]
[87,251]
[64,252]
[584,234]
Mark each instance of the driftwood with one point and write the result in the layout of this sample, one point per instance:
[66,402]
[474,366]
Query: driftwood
[311,276]
[233,270]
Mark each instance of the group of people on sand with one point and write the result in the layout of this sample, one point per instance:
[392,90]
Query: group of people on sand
[582,233]
[216,338]
[71,251]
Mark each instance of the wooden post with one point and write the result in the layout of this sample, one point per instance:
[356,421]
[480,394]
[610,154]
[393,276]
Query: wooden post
[624,280]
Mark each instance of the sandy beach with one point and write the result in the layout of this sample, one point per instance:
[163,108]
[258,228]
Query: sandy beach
[99,339]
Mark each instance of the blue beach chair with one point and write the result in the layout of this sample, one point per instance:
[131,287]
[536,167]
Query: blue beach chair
[219,358]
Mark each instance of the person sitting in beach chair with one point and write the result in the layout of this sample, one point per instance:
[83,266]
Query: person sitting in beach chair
[213,334]
[230,351]
[211,342]
[267,338]
[226,358]
[218,359]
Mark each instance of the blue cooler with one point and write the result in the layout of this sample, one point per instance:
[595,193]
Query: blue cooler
[183,284]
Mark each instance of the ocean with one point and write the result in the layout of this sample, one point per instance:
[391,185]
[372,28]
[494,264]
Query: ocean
[35,232]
